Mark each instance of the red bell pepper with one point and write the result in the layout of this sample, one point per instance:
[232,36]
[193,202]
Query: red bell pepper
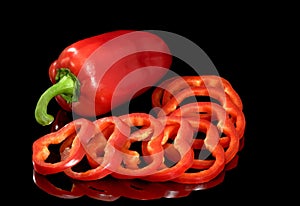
[96,74]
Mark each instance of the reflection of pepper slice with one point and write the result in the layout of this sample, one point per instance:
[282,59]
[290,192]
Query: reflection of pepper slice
[182,145]
[61,119]
[110,189]
[104,189]
[140,190]
[98,145]
[72,153]
[153,138]
[43,183]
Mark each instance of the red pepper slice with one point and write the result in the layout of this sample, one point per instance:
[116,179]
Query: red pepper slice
[86,74]
[181,133]
[205,175]
[152,133]
[169,88]
[230,140]
[211,143]
[103,149]
[231,109]
[71,153]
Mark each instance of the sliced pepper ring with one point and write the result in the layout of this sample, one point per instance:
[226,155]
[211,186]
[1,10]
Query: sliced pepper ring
[169,88]
[211,144]
[182,142]
[230,142]
[71,155]
[153,135]
[224,100]
[98,145]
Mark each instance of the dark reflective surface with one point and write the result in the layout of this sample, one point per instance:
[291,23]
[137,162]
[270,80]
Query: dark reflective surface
[110,189]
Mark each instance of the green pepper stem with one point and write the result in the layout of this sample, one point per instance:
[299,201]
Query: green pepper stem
[66,86]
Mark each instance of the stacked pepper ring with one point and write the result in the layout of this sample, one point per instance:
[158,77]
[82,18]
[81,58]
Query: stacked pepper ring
[184,142]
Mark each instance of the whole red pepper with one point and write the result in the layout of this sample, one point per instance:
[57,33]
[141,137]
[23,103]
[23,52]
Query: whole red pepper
[96,74]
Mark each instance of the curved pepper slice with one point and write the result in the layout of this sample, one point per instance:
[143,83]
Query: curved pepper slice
[169,88]
[196,111]
[228,136]
[71,153]
[133,165]
[180,132]
[211,143]
[103,149]
[224,100]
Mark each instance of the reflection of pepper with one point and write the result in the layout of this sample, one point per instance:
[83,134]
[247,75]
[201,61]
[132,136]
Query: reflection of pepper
[111,189]
[61,119]
[43,183]
[87,73]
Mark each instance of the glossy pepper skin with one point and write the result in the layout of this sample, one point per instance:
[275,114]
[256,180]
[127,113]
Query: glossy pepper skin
[94,75]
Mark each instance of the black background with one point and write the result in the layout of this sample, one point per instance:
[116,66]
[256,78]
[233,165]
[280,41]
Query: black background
[236,40]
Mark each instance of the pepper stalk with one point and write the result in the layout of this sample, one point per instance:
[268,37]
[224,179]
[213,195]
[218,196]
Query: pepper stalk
[67,86]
